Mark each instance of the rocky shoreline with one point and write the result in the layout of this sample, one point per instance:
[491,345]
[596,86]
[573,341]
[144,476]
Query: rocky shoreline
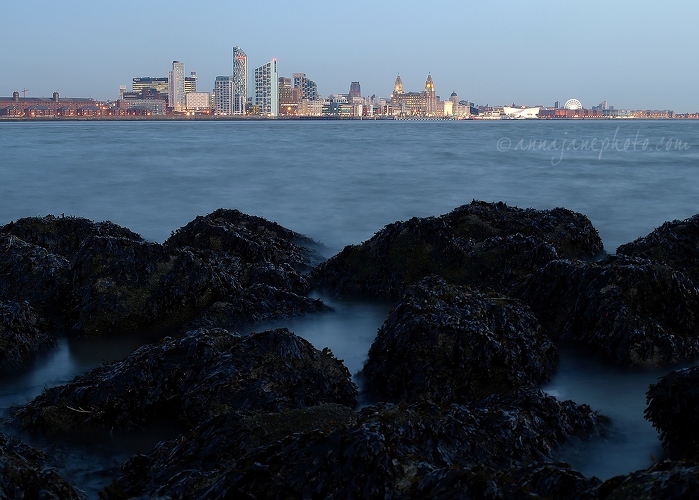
[483,295]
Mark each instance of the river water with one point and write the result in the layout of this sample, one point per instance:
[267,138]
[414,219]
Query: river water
[339,182]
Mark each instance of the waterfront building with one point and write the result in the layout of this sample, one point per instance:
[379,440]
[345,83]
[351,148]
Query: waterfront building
[45,106]
[355,90]
[223,95]
[267,89]
[309,89]
[240,81]
[423,103]
[430,97]
[148,82]
[190,82]
[289,97]
[198,101]
[176,93]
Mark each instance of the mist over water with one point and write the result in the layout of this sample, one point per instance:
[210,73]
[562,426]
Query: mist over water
[339,183]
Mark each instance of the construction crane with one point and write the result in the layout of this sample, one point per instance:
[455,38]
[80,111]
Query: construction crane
[24,92]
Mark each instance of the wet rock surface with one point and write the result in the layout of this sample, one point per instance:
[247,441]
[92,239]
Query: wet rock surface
[673,409]
[380,453]
[25,474]
[629,311]
[23,336]
[675,244]
[480,244]
[188,380]
[667,479]
[450,344]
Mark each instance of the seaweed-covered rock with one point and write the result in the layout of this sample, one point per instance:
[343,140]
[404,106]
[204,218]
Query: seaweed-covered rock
[24,474]
[674,243]
[629,311]
[31,273]
[121,284]
[391,447]
[188,380]
[450,343]
[251,238]
[215,445]
[668,479]
[480,244]
[23,336]
[673,408]
[544,481]
[64,235]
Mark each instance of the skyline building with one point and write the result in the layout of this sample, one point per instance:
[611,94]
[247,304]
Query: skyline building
[240,80]
[309,89]
[176,98]
[267,89]
[223,95]
[355,90]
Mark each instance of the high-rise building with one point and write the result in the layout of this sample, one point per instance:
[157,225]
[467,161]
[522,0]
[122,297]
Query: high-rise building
[148,82]
[355,90]
[176,99]
[267,89]
[190,83]
[430,96]
[309,89]
[240,81]
[223,95]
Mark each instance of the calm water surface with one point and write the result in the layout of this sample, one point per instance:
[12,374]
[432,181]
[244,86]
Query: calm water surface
[339,183]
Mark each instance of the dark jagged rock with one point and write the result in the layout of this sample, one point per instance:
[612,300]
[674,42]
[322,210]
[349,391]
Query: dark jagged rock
[391,447]
[188,380]
[674,243]
[253,239]
[23,336]
[30,273]
[480,244]
[544,481]
[120,284]
[668,479]
[629,311]
[215,445]
[24,474]
[673,408]
[64,235]
[450,343]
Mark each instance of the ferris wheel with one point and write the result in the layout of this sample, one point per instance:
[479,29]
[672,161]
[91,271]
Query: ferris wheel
[573,104]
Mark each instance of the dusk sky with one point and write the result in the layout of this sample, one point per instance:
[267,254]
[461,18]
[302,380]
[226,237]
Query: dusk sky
[634,54]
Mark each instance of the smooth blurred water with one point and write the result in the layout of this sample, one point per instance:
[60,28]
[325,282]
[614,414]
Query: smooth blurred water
[339,182]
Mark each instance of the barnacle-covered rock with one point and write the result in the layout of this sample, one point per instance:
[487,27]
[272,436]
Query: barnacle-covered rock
[25,474]
[629,311]
[675,244]
[673,409]
[31,273]
[480,244]
[121,284]
[391,447]
[668,479]
[23,335]
[450,343]
[64,235]
[188,380]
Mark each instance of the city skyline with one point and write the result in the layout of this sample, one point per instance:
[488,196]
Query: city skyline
[632,54]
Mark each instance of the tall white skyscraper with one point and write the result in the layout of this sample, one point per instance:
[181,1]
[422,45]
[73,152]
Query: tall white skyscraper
[267,88]
[175,84]
[240,81]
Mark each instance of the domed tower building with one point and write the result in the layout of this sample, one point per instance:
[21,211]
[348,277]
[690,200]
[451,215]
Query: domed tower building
[430,97]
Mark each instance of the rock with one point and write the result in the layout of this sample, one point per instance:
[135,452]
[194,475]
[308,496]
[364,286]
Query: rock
[215,445]
[675,244]
[24,474]
[30,273]
[629,311]
[668,479]
[450,344]
[480,244]
[188,380]
[64,235]
[673,409]
[550,480]
[391,447]
[122,285]
[23,336]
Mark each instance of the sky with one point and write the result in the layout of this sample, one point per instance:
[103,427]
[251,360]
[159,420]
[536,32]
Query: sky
[633,54]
